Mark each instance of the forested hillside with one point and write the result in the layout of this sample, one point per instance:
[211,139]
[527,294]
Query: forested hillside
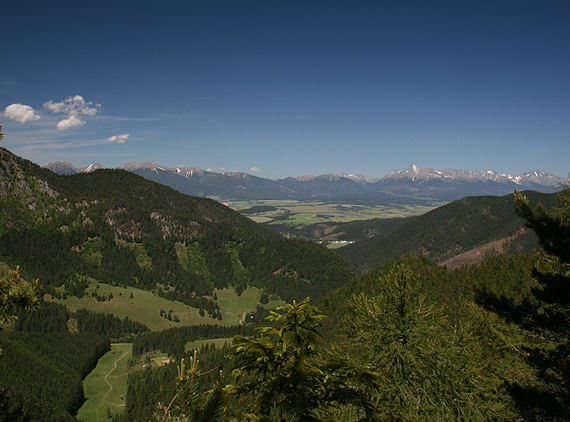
[116,227]
[41,373]
[449,231]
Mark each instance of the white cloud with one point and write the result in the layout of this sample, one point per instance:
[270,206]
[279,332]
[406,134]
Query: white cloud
[21,113]
[72,106]
[71,122]
[120,139]
[254,169]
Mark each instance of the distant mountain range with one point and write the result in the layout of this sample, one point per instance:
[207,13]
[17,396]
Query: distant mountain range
[411,184]
[65,168]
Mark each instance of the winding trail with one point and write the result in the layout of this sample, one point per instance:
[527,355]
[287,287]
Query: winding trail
[110,371]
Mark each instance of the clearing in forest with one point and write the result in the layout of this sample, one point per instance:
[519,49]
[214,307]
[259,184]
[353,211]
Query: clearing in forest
[106,386]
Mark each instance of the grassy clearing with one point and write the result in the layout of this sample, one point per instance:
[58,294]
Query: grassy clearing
[235,307]
[197,344]
[144,306]
[300,213]
[106,386]
[152,359]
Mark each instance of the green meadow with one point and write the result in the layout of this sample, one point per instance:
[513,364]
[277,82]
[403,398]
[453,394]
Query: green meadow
[144,306]
[106,386]
[235,308]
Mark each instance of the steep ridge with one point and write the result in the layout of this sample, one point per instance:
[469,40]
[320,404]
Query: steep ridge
[448,231]
[117,227]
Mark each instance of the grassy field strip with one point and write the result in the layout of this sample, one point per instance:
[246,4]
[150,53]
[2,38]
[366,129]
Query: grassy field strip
[106,386]
[197,344]
[109,373]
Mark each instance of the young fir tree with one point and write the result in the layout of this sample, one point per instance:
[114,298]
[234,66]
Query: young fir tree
[286,376]
[189,404]
[16,294]
[432,370]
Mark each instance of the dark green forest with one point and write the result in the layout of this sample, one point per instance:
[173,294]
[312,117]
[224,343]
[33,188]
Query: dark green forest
[448,231]
[116,227]
[41,373]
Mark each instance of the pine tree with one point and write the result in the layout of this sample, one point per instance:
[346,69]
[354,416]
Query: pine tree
[549,315]
[15,295]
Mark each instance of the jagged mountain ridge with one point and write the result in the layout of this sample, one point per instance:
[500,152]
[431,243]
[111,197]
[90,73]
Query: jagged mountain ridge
[65,168]
[413,183]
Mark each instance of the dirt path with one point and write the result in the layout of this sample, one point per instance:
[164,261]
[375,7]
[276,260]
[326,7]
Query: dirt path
[110,371]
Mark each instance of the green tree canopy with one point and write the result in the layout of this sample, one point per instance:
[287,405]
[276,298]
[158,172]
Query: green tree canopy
[433,370]
[16,294]
[286,375]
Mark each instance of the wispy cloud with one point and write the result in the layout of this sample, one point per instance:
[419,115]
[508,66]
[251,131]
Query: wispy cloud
[10,83]
[126,119]
[21,113]
[255,169]
[120,139]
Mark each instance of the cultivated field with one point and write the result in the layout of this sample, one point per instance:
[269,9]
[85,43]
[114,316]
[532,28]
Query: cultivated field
[299,213]
[106,386]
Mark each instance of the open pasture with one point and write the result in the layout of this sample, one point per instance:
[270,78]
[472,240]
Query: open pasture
[235,308]
[144,306]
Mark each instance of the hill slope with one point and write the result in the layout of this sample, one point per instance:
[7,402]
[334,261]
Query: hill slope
[449,231]
[119,228]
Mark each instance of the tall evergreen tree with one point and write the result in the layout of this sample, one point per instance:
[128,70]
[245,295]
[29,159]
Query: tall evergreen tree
[549,314]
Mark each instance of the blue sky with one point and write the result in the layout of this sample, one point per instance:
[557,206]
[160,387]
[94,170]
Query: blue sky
[287,88]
